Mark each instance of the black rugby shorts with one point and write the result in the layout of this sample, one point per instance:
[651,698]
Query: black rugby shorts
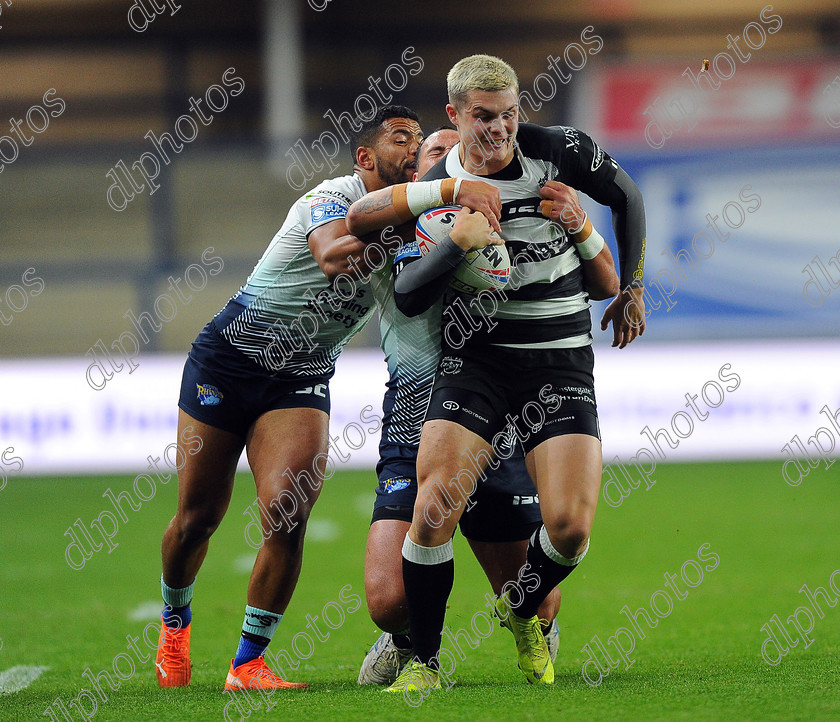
[530,394]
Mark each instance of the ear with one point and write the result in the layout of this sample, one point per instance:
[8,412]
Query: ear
[365,158]
[452,113]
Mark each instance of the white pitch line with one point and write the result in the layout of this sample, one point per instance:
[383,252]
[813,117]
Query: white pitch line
[20,677]
[146,611]
[244,563]
[322,530]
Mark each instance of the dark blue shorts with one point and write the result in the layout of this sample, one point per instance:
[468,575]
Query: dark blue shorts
[224,388]
[504,506]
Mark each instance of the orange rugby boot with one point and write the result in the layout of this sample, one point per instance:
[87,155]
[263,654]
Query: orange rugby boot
[172,663]
[256,675]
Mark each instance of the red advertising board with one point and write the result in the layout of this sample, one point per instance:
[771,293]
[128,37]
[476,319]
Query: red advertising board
[672,104]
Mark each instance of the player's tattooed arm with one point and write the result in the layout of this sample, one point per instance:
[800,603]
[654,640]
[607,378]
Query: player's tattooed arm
[374,203]
[336,251]
[373,212]
[397,204]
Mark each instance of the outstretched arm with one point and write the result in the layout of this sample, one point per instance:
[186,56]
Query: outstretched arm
[403,202]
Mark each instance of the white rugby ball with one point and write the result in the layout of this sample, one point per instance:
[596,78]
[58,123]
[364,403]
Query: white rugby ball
[487,269]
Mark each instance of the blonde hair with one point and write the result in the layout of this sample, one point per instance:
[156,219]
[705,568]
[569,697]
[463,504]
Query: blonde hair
[479,72]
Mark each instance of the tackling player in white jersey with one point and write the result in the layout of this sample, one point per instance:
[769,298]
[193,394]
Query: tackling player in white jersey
[257,378]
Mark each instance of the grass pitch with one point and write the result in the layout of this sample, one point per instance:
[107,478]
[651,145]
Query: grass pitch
[702,660]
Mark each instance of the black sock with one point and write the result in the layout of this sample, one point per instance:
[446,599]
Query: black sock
[551,570]
[428,583]
[401,640]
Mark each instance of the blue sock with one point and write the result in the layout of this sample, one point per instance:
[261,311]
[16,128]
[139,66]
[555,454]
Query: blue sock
[257,630]
[176,611]
[177,617]
[249,648]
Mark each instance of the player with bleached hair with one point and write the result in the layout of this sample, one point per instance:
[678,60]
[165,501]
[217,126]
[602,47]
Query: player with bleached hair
[540,341]
[503,511]
[501,514]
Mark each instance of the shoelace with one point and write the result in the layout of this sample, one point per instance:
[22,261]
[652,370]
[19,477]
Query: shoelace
[529,632]
[173,641]
[389,657]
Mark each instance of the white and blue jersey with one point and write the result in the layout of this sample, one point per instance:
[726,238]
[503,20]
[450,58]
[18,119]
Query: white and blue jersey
[412,353]
[288,317]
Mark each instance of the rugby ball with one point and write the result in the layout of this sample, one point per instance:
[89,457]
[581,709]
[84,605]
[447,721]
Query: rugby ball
[487,269]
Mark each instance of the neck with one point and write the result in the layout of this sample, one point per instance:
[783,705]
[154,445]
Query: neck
[481,166]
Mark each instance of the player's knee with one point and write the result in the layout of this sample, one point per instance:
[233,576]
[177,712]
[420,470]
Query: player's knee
[431,528]
[388,610]
[568,535]
[195,527]
[289,528]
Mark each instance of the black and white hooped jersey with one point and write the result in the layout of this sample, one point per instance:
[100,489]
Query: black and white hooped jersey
[545,304]
[288,317]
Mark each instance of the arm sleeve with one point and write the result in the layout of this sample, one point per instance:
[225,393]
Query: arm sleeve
[589,169]
[419,282]
[629,226]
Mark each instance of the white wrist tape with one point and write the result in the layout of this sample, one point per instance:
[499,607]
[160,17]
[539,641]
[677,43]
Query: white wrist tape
[457,188]
[592,246]
[423,195]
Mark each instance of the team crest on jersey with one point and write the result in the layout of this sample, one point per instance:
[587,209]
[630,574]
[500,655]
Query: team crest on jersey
[451,365]
[324,209]
[209,395]
[395,483]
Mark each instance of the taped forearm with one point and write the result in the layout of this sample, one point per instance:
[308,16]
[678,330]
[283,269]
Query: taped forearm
[400,203]
[420,283]
[411,199]
[588,241]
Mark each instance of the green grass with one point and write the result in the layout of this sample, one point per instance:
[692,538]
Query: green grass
[701,662]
